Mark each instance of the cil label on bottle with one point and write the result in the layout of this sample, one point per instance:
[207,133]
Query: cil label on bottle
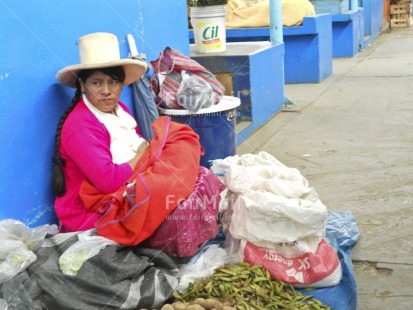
[209,36]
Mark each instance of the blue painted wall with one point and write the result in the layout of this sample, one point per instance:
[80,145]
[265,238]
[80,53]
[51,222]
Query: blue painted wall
[373,19]
[37,38]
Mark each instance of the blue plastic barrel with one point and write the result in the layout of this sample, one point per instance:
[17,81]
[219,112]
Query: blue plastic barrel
[216,127]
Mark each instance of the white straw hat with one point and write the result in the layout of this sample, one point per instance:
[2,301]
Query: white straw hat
[101,50]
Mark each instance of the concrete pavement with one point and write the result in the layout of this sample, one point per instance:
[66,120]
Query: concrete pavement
[351,136]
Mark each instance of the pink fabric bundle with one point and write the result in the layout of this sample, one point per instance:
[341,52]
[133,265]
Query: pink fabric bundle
[194,221]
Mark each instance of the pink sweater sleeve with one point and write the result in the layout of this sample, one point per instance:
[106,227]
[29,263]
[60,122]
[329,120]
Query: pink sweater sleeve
[89,147]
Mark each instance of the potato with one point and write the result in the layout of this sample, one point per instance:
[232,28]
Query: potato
[210,303]
[199,301]
[195,307]
[167,307]
[230,302]
[179,305]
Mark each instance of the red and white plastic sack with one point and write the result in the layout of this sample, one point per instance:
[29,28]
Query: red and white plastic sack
[278,220]
[321,268]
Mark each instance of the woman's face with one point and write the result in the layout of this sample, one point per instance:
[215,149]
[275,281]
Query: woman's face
[102,91]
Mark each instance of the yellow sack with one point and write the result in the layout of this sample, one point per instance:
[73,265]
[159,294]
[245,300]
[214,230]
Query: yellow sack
[256,13]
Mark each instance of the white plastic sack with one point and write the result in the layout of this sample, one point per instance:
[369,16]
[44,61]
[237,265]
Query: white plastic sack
[266,219]
[279,180]
[274,203]
[18,244]
[31,237]
[277,220]
[88,246]
[14,258]
[263,172]
[221,166]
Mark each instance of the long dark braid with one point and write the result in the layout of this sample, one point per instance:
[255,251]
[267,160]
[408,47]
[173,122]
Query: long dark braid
[58,177]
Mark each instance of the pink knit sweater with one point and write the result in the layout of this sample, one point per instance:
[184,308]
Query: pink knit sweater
[85,145]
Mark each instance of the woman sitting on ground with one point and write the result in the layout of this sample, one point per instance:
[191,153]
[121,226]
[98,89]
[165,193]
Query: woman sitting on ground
[100,154]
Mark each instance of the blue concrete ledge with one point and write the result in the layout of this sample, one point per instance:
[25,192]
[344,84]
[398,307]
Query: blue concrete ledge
[373,19]
[309,50]
[257,78]
[308,54]
[347,33]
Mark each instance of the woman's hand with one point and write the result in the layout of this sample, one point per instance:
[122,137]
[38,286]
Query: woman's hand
[139,152]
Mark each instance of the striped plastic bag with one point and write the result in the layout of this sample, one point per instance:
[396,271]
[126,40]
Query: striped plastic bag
[167,78]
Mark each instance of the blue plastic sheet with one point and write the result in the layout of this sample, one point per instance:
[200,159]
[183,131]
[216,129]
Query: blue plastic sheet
[342,233]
